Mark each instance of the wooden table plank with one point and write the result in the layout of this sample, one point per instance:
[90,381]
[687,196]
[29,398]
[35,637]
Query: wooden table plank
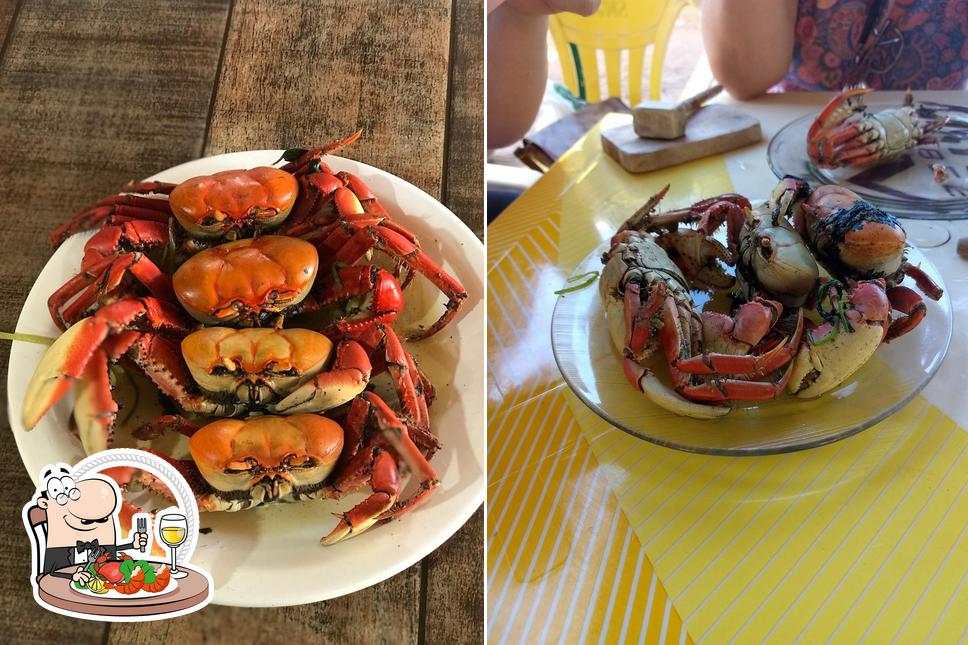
[8,8]
[82,110]
[464,163]
[454,573]
[454,606]
[368,616]
[293,77]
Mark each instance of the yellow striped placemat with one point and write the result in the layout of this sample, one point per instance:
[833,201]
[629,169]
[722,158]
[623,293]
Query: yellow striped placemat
[861,540]
[563,563]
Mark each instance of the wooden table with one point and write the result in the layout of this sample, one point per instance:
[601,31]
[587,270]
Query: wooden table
[93,94]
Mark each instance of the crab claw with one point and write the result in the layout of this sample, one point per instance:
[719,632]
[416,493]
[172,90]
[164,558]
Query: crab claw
[346,378]
[385,482]
[833,132]
[820,368]
[64,363]
[832,352]
[382,505]
[95,410]
[665,397]
[837,109]
[81,355]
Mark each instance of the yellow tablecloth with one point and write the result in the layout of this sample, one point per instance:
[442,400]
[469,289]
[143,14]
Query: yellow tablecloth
[594,535]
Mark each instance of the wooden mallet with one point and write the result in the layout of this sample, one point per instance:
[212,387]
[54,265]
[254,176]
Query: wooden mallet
[667,120]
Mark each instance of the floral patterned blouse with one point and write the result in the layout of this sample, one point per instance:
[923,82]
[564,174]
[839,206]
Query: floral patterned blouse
[899,44]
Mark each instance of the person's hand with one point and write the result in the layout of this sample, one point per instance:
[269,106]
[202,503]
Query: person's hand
[548,7]
[141,540]
[82,576]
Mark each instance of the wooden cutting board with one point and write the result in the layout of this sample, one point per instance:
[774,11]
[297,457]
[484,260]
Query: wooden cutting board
[713,129]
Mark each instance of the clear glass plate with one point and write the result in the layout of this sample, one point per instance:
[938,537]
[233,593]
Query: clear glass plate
[897,372]
[904,187]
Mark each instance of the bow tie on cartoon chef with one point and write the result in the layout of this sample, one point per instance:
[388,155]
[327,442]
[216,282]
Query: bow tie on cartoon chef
[81,517]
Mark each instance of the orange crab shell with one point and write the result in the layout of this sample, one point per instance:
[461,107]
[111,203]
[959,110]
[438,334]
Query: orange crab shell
[257,349]
[301,449]
[210,205]
[872,247]
[283,356]
[232,280]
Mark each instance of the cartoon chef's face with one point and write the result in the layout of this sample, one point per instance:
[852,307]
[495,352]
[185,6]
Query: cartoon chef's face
[84,510]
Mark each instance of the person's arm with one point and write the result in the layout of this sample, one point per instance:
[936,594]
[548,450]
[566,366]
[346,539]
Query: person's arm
[517,62]
[749,42]
[517,69]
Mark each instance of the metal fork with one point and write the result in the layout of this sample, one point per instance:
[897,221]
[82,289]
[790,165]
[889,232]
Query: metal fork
[143,528]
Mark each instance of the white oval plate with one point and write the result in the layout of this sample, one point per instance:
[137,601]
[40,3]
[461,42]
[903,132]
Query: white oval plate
[271,557]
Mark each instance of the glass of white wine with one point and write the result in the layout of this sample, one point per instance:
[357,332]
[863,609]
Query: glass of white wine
[174,530]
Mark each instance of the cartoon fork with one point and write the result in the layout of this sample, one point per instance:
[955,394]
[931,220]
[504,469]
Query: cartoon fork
[143,528]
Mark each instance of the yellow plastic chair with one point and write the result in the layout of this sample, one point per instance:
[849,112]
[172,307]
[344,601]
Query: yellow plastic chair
[618,25]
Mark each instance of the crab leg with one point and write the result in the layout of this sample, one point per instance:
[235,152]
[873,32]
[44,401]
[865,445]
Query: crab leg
[309,155]
[923,280]
[352,438]
[370,295]
[638,317]
[399,439]
[381,338]
[345,195]
[371,206]
[385,482]
[413,388]
[752,365]
[314,189]
[100,279]
[399,247]
[106,210]
[393,431]
[136,235]
[717,389]
[909,303]
[710,213]
[423,391]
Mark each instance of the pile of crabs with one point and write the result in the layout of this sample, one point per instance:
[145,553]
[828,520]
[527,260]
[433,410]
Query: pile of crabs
[817,289]
[192,285]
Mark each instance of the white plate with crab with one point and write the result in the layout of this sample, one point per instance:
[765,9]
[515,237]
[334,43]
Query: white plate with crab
[271,556]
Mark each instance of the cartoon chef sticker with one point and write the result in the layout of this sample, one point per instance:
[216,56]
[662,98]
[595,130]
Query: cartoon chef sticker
[82,518]
[84,567]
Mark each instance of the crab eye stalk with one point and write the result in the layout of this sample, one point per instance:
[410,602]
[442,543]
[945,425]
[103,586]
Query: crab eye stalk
[766,248]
